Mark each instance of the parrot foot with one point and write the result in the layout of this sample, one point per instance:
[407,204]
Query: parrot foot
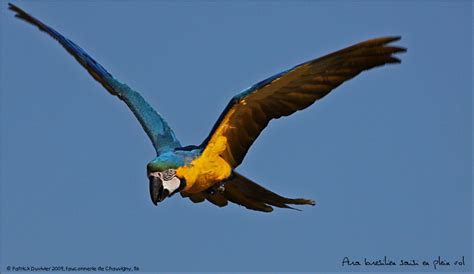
[219,188]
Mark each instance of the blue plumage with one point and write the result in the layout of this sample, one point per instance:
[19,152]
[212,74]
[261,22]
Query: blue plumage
[206,172]
[160,134]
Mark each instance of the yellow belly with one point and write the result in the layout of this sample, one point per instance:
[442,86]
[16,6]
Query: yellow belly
[206,170]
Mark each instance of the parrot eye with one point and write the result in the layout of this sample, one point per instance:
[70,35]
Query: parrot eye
[168,174]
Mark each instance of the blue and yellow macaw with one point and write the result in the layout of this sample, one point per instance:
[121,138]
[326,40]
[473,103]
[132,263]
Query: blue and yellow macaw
[207,171]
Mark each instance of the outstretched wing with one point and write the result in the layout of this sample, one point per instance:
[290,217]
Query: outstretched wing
[249,112]
[242,191]
[154,125]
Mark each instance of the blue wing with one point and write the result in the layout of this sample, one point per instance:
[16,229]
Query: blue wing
[155,126]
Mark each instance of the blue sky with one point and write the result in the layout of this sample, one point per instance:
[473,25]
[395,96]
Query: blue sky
[387,156]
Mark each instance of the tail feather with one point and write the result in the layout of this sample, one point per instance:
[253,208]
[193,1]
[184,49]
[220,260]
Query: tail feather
[217,198]
[234,194]
[242,191]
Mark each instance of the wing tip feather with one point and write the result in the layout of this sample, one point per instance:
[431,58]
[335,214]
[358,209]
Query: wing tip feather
[20,13]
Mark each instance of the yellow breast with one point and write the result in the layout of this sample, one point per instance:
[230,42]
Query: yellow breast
[206,170]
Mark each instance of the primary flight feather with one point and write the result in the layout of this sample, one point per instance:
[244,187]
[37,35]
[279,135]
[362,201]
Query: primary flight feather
[207,172]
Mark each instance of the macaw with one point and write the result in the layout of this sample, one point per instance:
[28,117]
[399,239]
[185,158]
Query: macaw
[207,171]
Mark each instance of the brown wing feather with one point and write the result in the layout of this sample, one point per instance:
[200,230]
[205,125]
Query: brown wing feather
[242,191]
[216,198]
[250,112]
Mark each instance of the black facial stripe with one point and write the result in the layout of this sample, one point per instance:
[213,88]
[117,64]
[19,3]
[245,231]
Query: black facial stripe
[168,174]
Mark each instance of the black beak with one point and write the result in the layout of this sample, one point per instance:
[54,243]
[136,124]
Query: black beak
[157,192]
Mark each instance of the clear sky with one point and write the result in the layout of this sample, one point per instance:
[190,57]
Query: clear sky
[387,156]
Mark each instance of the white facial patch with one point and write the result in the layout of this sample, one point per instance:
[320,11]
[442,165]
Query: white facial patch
[172,184]
[168,178]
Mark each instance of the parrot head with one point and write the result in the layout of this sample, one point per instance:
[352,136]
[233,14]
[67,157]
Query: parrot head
[161,173]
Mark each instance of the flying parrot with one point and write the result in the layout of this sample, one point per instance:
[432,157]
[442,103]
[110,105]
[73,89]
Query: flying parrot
[207,171]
